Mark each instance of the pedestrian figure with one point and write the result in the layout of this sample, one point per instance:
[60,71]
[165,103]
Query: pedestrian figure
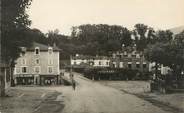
[72,80]
[73,84]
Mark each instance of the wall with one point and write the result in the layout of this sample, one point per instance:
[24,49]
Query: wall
[44,57]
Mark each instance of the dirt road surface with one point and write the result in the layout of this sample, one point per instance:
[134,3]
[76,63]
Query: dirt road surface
[92,97]
[89,97]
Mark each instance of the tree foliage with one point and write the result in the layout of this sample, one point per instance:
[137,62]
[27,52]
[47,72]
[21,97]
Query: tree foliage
[101,38]
[15,24]
[143,36]
[167,51]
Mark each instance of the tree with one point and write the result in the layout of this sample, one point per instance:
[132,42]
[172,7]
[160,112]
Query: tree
[169,53]
[140,36]
[52,36]
[37,36]
[164,36]
[15,24]
[155,53]
[105,38]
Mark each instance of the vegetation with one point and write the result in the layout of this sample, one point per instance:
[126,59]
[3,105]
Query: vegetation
[15,24]
[14,32]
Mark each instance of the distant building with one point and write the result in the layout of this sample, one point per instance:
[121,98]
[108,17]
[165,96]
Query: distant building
[129,58]
[93,61]
[37,65]
[161,69]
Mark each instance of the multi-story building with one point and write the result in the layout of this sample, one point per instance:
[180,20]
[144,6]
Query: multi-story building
[37,65]
[94,61]
[129,58]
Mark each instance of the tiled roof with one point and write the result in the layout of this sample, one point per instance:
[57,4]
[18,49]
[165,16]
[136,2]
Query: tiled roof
[42,47]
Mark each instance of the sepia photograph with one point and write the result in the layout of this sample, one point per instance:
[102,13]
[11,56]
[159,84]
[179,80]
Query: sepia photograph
[91,56]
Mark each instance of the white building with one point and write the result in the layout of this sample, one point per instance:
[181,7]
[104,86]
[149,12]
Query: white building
[163,69]
[95,61]
[38,64]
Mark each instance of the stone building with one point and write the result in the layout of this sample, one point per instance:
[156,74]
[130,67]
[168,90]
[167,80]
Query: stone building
[129,58]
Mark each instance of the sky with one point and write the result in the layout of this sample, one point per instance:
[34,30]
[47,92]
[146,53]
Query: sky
[63,14]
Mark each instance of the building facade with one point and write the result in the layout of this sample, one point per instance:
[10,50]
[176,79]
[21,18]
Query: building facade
[129,58]
[38,65]
[93,61]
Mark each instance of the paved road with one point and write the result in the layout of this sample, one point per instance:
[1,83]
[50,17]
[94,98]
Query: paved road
[92,97]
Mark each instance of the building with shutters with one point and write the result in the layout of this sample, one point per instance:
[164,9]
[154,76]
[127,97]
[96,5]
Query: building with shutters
[129,58]
[38,65]
[93,61]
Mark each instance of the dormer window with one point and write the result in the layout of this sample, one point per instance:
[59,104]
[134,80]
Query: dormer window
[50,50]
[37,51]
[23,51]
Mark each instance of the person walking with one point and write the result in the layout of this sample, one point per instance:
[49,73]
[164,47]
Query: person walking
[73,84]
[72,81]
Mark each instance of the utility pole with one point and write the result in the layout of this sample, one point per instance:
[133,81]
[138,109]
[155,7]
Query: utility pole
[2,82]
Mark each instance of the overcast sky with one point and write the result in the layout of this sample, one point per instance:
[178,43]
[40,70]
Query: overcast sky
[63,14]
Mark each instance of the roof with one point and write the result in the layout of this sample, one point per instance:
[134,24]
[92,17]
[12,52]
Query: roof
[42,47]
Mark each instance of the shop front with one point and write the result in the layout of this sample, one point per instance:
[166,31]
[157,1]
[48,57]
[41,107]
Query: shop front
[37,80]
[49,79]
[24,80]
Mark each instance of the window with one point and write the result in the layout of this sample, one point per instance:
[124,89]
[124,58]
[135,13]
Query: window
[144,65]
[50,70]
[114,64]
[107,63]
[17,70]
[23,51]
[121,64]
[129,64]
[37,69]
[50,61]
[137,64]
[37,51]
[37,61]
[24,69]
[23,61]
[50,50]
[99,63]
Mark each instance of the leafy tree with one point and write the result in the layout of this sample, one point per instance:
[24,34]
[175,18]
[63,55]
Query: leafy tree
[164,36]
[14,27]
[52,36]
[37,36]
[169,52]
[15,24]
[105,37]
[142,36]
